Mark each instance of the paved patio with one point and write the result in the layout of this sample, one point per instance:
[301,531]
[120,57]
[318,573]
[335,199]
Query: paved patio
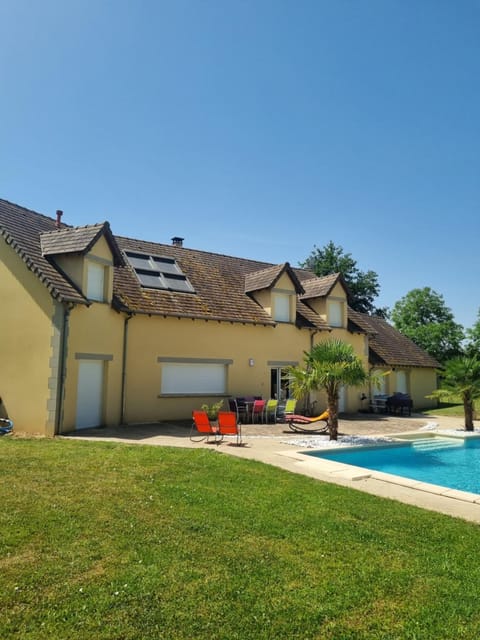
[276,444]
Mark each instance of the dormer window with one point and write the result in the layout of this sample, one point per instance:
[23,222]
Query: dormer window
[95,281]
[335,313]
[281,307]
[158,272]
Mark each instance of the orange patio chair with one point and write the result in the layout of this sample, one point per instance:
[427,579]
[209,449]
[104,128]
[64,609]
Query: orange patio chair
[229,426]
[202,428]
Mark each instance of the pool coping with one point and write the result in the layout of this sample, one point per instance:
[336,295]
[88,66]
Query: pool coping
[353,473]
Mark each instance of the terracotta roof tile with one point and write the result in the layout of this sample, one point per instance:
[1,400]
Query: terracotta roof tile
[268,277]
[389,346]
[21,228]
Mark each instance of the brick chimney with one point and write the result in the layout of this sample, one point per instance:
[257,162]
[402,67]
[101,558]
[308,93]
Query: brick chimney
[177,242]
[59,218]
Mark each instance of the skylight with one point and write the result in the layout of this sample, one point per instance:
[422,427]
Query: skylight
[156,272]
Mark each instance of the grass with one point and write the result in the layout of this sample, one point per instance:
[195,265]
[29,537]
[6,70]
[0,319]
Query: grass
[447,409]
[111,541]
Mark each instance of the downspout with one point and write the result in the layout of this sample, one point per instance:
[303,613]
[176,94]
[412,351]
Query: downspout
[124,369]
[62,368]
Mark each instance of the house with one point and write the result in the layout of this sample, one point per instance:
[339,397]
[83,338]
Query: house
[100,329]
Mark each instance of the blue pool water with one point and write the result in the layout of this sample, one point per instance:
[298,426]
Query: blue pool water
[449,462]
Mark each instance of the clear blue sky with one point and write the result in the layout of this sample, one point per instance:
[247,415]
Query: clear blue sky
[256,128]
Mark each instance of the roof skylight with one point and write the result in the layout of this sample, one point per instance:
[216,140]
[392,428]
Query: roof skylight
[157,272]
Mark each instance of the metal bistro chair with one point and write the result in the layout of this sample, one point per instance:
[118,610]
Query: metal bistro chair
[271,407]
[258,410]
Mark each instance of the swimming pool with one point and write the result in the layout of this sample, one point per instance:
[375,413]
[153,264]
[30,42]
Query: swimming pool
[449,462]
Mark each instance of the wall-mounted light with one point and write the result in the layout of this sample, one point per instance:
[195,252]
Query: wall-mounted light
[251,362]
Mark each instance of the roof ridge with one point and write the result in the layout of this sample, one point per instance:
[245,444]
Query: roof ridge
[211,253]
[19,206]
[80,226]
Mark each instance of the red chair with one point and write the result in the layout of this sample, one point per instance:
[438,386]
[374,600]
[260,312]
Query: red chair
[229,426]
[204,428]
[258,410]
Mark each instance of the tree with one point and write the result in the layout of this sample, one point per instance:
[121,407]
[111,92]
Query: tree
[423,317]
[473,338]
[461,378]
[328,366]
[363,285]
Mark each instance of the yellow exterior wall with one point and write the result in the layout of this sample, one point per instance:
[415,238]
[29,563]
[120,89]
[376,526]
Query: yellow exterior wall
[151,338]
[94,330]
[422,383]
[75,266]
[26,346]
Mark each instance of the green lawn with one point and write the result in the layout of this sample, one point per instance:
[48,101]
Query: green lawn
[101,540]
[447,409]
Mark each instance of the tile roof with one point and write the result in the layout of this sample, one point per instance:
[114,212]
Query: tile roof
[317,287]
[220,282]
[21,228]
[388,346]
[268,277]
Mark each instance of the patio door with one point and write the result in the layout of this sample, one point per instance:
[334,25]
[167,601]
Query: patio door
[90,393]
[279,384]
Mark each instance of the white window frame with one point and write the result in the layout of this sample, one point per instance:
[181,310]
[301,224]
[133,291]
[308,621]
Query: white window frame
[282,307]
[96,280]
[335,313]
[193,376]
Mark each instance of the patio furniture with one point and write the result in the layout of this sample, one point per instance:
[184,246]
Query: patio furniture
[242,408]
[229,426]
[287,409]
[202,428]
[271,407]
[258,410]
[399,403]
[379,403]
[304,424]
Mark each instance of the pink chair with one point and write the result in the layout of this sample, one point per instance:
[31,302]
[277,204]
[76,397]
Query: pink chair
[258,410]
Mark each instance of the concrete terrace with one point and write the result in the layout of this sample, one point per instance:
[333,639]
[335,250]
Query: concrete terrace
[275,444]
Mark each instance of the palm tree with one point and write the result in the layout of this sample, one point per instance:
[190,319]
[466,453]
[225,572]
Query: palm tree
[461,378]
[328,366]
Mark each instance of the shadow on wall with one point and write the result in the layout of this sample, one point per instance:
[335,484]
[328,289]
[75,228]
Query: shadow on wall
[3,410]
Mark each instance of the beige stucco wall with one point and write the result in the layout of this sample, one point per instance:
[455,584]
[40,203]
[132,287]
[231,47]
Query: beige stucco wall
[96,330]
[27,344]
[75,266]
[422,383]
[151,338]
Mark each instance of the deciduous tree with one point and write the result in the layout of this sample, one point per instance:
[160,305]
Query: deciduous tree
[363,285]
[422,316]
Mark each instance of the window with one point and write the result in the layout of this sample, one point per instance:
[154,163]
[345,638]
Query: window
[95,281]
[156,272]
[335,313]
[281,307]
[193,378]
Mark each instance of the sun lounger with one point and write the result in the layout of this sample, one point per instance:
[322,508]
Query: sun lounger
[304,424]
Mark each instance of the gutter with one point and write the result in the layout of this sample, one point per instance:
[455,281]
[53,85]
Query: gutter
[124,369]
[62,368]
